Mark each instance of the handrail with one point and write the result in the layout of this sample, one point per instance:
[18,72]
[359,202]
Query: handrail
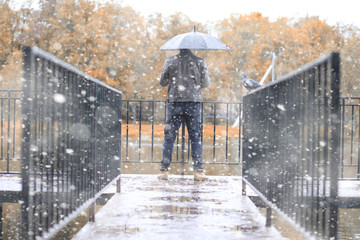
[291,147]
[71,138]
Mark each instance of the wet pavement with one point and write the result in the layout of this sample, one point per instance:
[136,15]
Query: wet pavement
[179,208]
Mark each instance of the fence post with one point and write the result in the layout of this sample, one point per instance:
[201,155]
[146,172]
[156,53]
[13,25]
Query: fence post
[1,221]
[26,166]
[118,185]
[268,216]
[8,135]
[92,212]
[183,148]
[243,188]
[334,142]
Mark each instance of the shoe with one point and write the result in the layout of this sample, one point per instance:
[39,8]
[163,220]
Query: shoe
[163,175]
[200,176]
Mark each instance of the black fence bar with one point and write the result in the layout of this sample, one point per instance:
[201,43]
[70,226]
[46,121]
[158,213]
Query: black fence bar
[291,147]
[71,138]
[10,132]
[145,126]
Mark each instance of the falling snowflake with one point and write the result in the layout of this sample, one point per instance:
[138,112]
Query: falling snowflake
[57,46]
[281,107]
[69,151]
[181,88]
[92,99]
[59,98]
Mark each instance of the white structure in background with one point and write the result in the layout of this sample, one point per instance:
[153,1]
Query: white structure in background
[270,68]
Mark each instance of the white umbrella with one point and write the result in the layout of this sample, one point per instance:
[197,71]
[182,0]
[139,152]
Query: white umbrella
[194,41]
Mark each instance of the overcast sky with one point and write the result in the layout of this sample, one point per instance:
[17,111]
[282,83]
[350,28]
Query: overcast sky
[333,11]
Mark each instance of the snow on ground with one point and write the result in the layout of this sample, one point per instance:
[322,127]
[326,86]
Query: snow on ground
[10,182]
[349,188]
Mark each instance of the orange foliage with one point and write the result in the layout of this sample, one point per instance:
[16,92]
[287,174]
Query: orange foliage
[120,47]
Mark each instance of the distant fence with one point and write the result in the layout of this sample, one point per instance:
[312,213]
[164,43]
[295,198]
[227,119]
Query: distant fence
[292,145]
[10,130]
[143,128]
[350,137]
[70,142]
[218,117]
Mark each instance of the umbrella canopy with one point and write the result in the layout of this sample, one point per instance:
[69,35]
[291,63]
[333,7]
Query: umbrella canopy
[194,41]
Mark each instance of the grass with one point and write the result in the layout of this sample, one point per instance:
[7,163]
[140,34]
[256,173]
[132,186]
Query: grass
[158,130]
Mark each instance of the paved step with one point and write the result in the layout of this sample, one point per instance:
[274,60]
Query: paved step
[180,208]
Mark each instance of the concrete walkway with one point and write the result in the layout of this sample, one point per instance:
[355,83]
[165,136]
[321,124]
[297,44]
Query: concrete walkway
[180,208]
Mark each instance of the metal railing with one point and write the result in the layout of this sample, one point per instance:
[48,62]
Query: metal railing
[10,134]
[70,142]
[142,133]
[291,145]
[10,130]
[350,137]
[143,127]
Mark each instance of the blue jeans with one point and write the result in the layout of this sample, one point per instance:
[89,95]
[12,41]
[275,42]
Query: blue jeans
[190,112]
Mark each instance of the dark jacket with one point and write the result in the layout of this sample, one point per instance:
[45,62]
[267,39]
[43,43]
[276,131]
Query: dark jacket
[185,74]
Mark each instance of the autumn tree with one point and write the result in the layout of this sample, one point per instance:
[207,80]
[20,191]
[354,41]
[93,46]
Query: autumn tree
[12,23]
[102,40]
[121,48]
[246,35]
[350,60]
[253,39]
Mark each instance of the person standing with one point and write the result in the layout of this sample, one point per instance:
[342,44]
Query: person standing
[185,75]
